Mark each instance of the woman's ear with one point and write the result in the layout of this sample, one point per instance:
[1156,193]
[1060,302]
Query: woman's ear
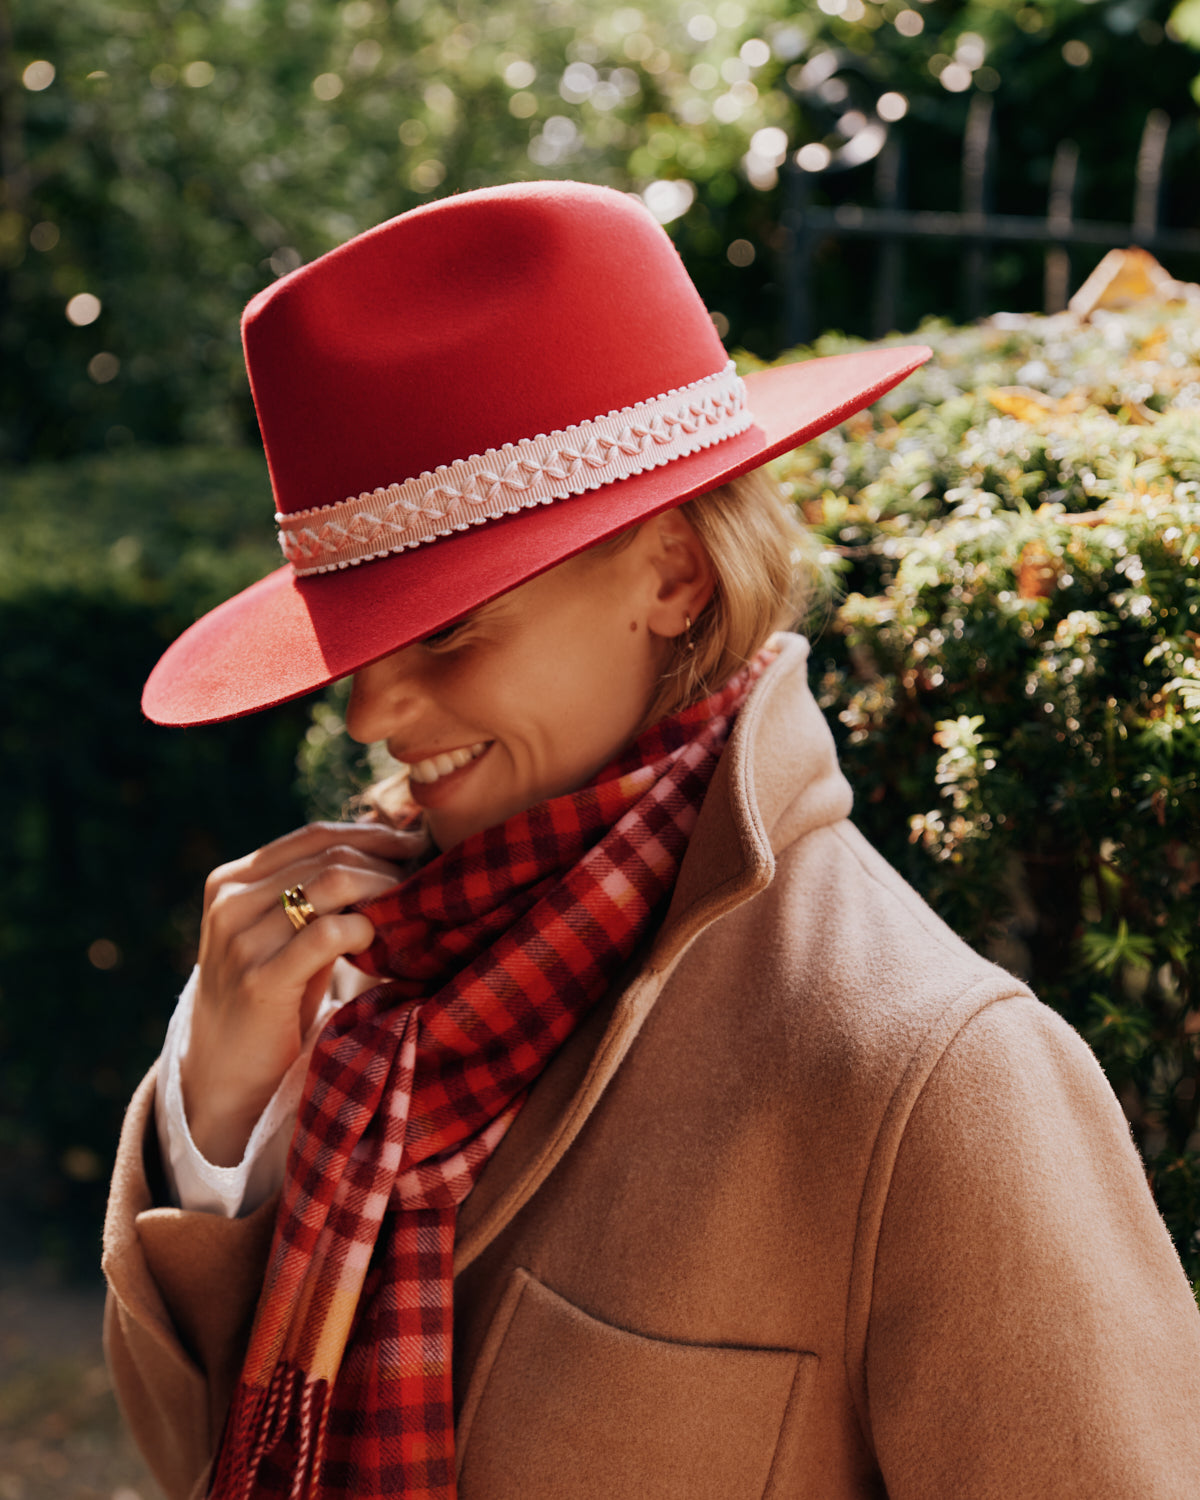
[684,571]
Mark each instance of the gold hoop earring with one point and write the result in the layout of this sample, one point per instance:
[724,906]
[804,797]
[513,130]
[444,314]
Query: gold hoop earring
[689,644]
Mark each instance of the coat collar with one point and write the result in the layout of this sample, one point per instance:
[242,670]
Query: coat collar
[777,780]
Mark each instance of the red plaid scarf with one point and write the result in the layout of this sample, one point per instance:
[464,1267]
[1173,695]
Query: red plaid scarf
[493,953]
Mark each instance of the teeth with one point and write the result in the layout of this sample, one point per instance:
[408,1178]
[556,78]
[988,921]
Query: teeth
[425,771]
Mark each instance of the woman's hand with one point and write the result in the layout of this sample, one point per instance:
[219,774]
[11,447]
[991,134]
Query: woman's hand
[260,980]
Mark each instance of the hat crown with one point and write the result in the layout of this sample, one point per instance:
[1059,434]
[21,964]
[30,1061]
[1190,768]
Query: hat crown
[476,321]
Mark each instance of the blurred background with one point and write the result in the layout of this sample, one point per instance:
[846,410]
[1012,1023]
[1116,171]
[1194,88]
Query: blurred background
[163,161]
[831,172]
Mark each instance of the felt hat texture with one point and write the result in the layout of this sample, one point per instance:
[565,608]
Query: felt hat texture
[442,346]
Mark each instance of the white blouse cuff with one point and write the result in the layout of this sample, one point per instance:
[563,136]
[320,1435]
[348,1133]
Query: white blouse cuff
[193,1182]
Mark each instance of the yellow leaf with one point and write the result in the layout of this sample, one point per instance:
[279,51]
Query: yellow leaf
[1123,279]
[1022,402]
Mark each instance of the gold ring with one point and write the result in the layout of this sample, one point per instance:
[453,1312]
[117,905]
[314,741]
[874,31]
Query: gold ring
[298,907]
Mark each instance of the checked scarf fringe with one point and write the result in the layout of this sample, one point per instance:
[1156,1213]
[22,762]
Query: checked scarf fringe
[490,955]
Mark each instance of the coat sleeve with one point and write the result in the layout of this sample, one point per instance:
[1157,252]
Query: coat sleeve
[1030,1329]
[182,1289]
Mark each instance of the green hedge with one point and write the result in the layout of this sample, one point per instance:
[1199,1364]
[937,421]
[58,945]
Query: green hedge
[111,823]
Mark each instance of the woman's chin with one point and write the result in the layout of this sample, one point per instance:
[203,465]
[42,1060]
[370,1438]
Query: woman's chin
[448,832]
[454,821]
[449,826]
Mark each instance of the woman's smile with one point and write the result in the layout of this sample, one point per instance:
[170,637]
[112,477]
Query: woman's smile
[429,770]
[530,695]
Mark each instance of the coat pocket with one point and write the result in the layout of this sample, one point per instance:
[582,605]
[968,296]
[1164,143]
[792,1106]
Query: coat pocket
[562,1405]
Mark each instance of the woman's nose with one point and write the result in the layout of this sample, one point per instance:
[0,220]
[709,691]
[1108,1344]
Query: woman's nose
[383,697]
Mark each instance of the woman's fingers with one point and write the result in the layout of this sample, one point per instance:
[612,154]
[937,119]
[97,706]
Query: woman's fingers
[271,934]
[246,926]
[369,841]
[314,948]
[337,877]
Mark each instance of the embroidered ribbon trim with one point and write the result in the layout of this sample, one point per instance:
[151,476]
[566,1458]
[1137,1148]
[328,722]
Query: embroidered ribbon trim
[534,471]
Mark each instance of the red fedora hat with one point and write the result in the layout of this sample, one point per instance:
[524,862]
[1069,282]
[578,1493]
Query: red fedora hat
[461,398]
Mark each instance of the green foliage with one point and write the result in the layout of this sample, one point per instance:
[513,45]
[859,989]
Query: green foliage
[331,769]
[111,823]
[1014,675]
[176,159]
[1185,19]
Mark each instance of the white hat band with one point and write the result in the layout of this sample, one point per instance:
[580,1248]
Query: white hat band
[534,471]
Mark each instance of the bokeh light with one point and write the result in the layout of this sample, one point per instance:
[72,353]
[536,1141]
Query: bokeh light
[814,157]
[970,50]
[891,106]
[104,954]
[82,309]
[740,253]
[103,367]
[768,149]
[427,175]
[770,142]
[578,81]
[955,77]
[285,260]
[863,146]
[327,86]
[669,199]
[366,56]
[519,74]
[38,75]
[789,42]
[44,236]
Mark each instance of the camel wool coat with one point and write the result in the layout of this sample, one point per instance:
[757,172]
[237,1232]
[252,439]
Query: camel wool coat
[818,1203]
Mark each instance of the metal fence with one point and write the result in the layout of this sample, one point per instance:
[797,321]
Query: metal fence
[892,225]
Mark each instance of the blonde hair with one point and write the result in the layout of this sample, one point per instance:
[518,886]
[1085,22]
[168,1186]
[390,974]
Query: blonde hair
[753,541]
[755,545]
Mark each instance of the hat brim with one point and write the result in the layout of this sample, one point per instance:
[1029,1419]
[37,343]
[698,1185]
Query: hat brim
[286,636]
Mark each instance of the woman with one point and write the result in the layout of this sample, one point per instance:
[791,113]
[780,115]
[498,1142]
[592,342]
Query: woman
[676,1148]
